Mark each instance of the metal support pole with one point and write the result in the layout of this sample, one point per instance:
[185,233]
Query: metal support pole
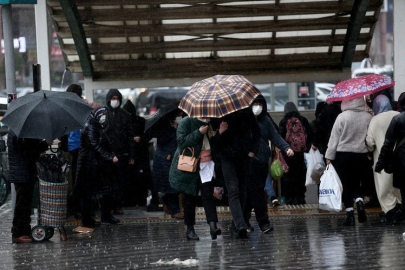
[399,41]
[42,34]
[7,16]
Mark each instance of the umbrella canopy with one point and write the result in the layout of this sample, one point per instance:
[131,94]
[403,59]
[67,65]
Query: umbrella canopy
[46,114]
[165,110]
[360,86]
[218,96]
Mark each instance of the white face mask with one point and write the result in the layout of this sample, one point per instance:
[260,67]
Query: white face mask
[178,119]
[205,120]
[257,109]
[115,103]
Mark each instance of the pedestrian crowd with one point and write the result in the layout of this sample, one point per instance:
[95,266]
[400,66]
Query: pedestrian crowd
[111,160]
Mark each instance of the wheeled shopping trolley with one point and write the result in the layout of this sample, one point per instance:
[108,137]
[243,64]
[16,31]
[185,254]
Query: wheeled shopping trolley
[51,211]
[53,196]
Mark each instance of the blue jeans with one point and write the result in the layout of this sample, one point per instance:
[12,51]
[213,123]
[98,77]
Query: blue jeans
[269,187]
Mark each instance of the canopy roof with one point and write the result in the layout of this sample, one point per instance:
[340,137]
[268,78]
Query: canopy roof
[117,40]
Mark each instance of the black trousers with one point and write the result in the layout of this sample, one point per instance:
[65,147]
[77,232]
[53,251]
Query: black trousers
[22,210]
[352,171]
[208,200]
[106,204]
[293,182]
[235,175]
[120,171]
[255,194]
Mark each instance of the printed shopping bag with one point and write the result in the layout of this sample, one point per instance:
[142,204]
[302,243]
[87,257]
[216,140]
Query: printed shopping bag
[330,190]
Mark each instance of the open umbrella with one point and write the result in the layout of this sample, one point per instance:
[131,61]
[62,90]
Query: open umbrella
[360,86]
[168,108]
[46,114]
[218,96]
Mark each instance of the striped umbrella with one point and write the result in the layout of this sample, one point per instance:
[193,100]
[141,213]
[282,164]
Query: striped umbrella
[218,96]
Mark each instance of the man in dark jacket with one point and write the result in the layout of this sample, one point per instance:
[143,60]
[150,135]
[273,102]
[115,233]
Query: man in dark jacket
[293,182]
[237,142]
[260,166]
[22,155]
[118,129]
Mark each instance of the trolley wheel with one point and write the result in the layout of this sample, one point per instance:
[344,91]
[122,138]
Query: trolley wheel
[49,231]
[63,235]
[38,233]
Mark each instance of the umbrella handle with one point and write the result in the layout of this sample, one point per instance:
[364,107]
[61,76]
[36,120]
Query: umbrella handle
[53,151]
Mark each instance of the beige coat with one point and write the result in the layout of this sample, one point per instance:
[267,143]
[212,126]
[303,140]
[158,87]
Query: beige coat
[387,194]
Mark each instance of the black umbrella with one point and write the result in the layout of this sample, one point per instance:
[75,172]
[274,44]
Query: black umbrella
[151,121]
[46,114]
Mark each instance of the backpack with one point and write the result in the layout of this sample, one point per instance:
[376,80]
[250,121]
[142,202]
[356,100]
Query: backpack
[296,136]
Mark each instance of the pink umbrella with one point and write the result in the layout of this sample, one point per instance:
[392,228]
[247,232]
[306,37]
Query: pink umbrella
[358,87]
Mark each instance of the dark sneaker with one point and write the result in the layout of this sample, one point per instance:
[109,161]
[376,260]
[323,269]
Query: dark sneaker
[90,223]
[110,219]
[249,227]
[349,219]
[274,201]
[266,228]
[361,212]
[242,233]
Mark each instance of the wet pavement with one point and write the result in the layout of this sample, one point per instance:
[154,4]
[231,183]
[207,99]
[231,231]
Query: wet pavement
[303,238]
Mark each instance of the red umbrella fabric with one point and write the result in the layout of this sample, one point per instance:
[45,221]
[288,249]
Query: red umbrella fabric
[218,96]
[360,86]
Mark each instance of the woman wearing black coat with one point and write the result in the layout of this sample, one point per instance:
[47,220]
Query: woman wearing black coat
[22,156]
[390,160]
[94,170]
[237,142]
[260,166]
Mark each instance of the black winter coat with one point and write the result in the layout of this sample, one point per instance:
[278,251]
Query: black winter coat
[394,160]
[241,137]
[22,156]
[94,165]
[166,147]
[268,133]
[118,128]
[325,122]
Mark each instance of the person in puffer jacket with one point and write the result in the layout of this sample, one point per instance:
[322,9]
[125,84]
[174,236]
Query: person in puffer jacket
[260,166]
[118,129]
[348,153]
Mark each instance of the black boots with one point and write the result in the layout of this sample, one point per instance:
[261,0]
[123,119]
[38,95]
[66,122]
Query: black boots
[214,231]
[349,219]
[190,234]
[109,218]
[361,212]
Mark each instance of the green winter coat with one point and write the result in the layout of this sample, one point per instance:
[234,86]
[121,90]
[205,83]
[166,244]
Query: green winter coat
[188,135]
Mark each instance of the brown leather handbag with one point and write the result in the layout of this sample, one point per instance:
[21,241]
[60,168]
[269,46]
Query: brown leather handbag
[187,163]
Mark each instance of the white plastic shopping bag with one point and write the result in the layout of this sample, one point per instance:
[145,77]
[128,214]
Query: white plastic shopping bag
[315,167]
[330,190]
